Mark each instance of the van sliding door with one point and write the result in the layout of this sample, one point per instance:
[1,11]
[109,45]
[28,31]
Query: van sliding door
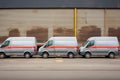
[60,48]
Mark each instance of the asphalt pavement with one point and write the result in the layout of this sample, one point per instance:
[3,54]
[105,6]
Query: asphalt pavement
[19,68]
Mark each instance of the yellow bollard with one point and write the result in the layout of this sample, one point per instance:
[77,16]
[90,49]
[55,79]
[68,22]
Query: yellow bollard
[75,22]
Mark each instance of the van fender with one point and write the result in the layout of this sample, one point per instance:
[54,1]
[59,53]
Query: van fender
[2,55]
[3,52]
[115,53]
[71,52]
[44,52]
[87,51]
[28,52]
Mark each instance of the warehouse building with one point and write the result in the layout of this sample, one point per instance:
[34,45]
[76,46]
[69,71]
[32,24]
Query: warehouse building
[47,18]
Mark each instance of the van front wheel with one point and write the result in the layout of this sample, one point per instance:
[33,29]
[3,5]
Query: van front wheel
[27,55]
[87,55]
[2,55]
[45,55]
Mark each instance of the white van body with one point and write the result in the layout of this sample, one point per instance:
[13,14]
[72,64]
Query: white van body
[59,46]
[100,46]
[25,46]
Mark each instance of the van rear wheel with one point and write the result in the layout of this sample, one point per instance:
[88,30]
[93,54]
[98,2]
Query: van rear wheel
[2,55]
[45,55]
[71,55]
[111,55]
[87,55]
[27,55]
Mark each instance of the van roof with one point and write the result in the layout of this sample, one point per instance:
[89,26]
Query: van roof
[63,38]
[21,38]
[103,38]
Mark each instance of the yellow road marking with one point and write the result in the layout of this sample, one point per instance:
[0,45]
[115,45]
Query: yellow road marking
[59,60]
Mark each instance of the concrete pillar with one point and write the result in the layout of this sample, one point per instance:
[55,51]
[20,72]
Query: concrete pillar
[105,23]
[50,32]
[102,31]
[22,32]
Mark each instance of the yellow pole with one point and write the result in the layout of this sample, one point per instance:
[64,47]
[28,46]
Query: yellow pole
[75,22]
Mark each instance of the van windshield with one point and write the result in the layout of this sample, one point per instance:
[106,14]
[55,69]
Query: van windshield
[84,44]
[88,43]
[6,43]
[49,43]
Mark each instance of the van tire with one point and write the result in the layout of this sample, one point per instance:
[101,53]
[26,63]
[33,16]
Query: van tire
[70,55]
[111,55]
[83,56]
[27,55]
[87,55]
[45,55]
[2,55]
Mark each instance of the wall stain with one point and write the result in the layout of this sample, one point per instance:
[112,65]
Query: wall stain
[87,31]
[3,38]
[14,33]
[63,32]
[40,33]
[114,32]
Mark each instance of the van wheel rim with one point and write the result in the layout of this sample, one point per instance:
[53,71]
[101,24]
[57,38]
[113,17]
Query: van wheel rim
[45,55]
[70,55]
[27,55]
[2,55]
[87,55]
[111,55]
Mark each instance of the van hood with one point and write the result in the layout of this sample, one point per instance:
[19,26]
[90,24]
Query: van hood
[81,48]
[0,45]
[40,49]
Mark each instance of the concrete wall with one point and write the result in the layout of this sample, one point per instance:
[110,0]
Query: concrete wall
[113,22]
[44,23]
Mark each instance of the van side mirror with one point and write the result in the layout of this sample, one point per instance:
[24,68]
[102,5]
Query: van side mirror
[45,46]
[88,45]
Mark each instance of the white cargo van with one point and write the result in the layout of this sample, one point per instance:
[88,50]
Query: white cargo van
[100,46]
[24,46]
[59,46]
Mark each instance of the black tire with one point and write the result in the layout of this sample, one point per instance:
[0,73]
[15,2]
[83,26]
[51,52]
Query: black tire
[2,55]
[87,55]
[27,55]
[111,55]
[7,56]
[70,55]
[107,56]
[45,55]
[83,56]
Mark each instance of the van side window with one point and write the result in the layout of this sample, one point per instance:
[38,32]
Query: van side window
[91,43]
[6,43]
[49,43]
